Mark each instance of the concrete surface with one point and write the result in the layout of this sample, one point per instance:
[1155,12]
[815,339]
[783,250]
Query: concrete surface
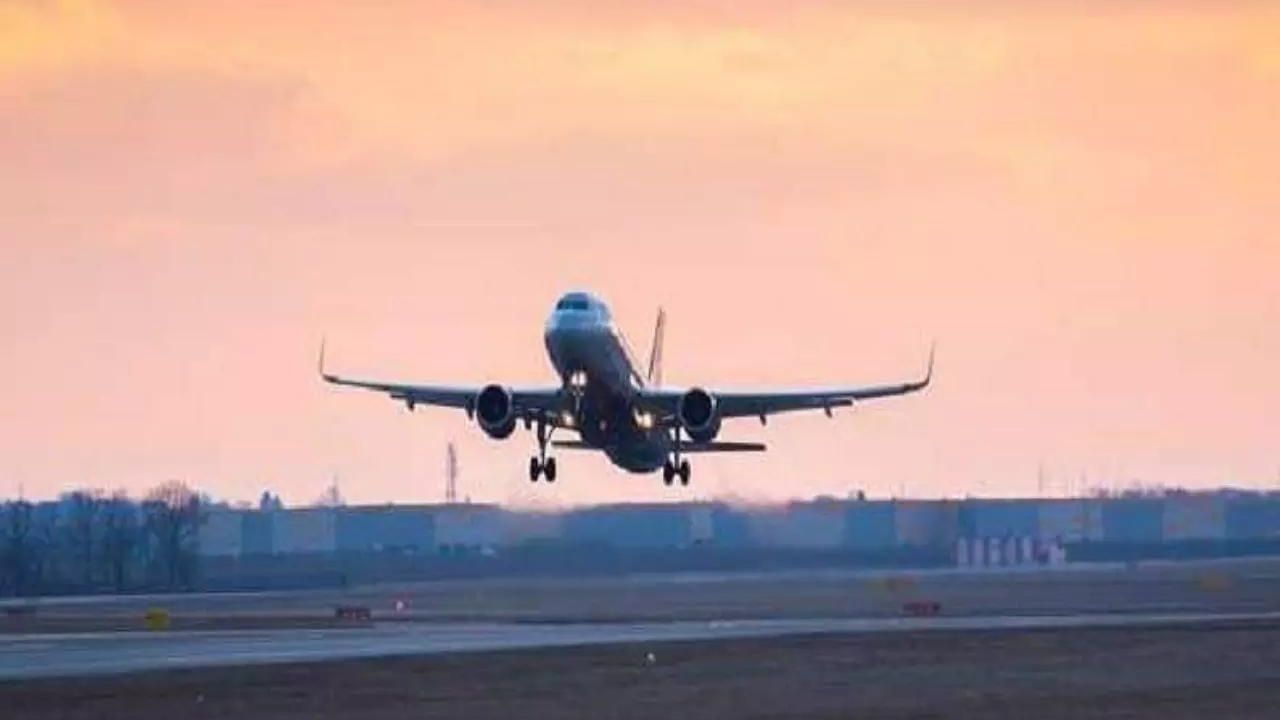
[33,656]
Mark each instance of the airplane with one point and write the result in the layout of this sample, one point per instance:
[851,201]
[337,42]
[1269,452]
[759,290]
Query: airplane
[639,424]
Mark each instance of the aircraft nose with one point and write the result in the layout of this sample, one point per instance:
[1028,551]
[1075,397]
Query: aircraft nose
[563,321]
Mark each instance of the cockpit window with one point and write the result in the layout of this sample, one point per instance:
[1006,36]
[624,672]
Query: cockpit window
[572,303]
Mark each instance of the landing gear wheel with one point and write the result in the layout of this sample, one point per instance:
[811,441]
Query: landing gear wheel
[668,472]
[540,464]
[683,471]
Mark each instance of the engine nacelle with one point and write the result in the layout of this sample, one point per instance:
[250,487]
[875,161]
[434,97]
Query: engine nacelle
[698,415]
[495,411]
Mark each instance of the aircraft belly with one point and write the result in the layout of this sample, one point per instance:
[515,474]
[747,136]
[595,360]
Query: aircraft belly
[607,423]
[637,457]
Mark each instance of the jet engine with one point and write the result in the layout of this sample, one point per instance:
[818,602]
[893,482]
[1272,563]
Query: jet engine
[698,415]
[495,412]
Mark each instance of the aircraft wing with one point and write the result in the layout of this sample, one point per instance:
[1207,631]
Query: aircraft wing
[528,402]
[763,403]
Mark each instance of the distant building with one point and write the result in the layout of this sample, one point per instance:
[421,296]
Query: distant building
[630,526]
[467,526]
[819,524]
[304,530]
[222,533]
[403,528]
[998,531]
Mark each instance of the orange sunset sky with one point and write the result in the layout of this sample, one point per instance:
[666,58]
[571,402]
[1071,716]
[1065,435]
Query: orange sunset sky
[1079,201]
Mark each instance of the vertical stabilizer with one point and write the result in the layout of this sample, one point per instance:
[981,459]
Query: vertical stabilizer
[654,378]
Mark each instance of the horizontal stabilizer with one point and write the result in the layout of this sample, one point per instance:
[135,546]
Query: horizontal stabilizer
[725,446]
[707,447]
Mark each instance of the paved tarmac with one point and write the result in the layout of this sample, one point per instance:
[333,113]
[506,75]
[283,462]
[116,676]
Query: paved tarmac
[67,655]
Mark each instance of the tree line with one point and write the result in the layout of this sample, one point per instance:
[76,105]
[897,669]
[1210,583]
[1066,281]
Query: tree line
[92,541]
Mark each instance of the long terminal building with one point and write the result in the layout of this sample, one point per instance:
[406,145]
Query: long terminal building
[820,525]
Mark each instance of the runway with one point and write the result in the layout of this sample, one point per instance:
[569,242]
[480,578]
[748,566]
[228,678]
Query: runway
[68,655]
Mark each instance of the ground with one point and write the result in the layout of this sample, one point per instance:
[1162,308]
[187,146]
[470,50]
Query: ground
[1191,669]
[1232,586]
[1229,670]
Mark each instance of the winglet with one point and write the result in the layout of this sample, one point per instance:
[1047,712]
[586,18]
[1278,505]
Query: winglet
[320,361]
[928,376]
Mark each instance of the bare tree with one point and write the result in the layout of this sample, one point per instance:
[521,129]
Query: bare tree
[173,517]
[331,497]
[84,532]
[120,534]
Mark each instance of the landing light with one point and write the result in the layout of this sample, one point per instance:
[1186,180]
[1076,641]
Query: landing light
[578,379]
[567,418]
[644,420]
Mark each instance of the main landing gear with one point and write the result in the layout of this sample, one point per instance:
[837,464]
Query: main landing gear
[672,470]
[540,464]
[545,467]
[675,467]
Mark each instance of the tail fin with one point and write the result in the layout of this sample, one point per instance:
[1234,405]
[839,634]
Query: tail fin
[654,378]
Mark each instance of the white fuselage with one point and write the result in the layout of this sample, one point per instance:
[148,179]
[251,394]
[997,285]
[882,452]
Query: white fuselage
[591,357]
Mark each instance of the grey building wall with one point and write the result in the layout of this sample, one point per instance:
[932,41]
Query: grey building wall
[531,526]
[731,527]
[1252,517]
[1138,520]
[816,525]
[390,527]
[921,523]
[221,534]
[870,525]
[1069,520]
[800,525]
[633,526]
[304,530]
[998,518]
[1194,517]
[701,531]
[471,526]
[257,532]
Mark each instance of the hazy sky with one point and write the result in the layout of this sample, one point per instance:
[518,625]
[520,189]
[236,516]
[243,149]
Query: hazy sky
[1079,201]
